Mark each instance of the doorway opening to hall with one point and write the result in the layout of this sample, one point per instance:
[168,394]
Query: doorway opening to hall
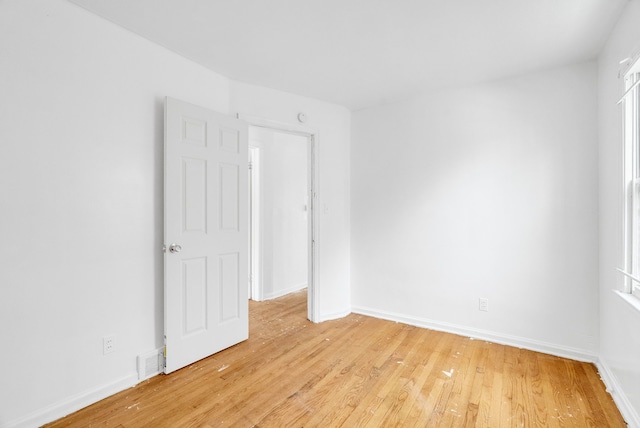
[281,220]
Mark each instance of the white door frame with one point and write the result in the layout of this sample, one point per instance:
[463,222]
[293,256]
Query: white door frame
[313,301]
[255,279]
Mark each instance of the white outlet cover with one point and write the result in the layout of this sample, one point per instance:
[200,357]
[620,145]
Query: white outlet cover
[108,344]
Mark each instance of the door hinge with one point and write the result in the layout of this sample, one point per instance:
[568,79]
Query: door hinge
[250,165]
[162,362]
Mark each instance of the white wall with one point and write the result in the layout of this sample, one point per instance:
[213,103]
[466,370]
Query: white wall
[81,128]
[485,191]
[282,211]
[333,127]
[619,322]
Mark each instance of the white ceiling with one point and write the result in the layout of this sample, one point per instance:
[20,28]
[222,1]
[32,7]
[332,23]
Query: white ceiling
[360,53]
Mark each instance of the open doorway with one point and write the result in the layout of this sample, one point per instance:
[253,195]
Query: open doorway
[281,232]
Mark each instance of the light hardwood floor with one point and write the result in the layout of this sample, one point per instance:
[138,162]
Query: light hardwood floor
[360,371]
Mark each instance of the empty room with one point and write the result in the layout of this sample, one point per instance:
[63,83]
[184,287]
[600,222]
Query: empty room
[320,213]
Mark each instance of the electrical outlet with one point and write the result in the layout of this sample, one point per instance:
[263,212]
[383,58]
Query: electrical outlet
[108,344]
[483,304]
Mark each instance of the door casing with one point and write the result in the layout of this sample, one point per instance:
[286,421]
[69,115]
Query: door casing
[313,247]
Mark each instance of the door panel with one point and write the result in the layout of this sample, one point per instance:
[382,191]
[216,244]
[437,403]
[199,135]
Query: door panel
[194,191]
[194,295]
[229,287]
[206,216]
[229,193]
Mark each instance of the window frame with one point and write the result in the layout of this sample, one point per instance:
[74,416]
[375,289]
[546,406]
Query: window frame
[631,175]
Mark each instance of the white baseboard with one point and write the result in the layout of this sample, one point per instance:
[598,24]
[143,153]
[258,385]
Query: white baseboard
[73,404]
[489,336]
[629,414]
[285,291]
[334,315]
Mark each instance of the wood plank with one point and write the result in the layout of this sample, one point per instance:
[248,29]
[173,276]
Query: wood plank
[360,372]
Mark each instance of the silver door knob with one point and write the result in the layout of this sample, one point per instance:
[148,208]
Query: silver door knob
[175,248]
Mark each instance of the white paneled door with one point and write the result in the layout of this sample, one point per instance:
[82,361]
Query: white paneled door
[205,231]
